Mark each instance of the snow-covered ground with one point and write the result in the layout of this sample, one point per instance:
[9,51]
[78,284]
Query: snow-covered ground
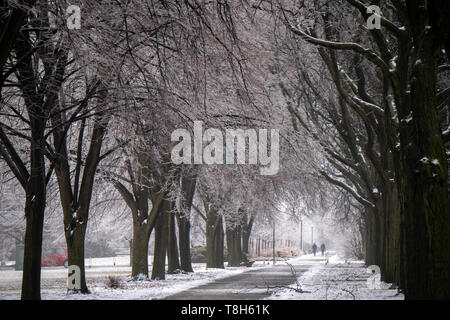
[336,280]
[53,281]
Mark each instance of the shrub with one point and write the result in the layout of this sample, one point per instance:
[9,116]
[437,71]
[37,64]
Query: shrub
[113,282]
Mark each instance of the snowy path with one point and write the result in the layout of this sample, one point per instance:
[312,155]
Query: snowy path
[254,284]
[304,278]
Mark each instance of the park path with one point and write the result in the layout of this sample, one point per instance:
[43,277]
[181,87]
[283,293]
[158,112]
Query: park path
[252,284]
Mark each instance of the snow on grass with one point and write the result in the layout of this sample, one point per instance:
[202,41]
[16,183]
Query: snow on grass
[54,283]
[336,280]
[110,261]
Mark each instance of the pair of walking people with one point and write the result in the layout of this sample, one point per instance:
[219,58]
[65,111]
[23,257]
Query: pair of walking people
[322,249]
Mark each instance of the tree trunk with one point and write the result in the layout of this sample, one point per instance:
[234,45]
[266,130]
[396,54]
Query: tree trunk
[246,232]
[378,238]
[368,253]
[214,240]
[139,255]
[391,253]
[75,252]
[173,260]
[234,246]
[380,233]
[184,228]
[161,241]
[373,243]
[34,214]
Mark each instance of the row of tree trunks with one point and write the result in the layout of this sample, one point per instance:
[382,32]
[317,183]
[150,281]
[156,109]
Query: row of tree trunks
[425,209]
[238,231]
[161,218]
[407,235]
[166,242]
[382,235]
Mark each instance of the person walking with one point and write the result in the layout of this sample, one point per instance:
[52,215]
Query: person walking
[322,248]
[314,248]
